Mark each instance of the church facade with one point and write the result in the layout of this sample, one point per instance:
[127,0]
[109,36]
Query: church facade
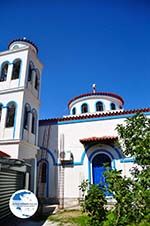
[64,151]
[77,147]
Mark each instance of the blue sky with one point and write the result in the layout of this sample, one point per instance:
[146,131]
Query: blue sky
[106,42]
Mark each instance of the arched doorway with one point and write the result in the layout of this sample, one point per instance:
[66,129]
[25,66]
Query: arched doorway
[98,168]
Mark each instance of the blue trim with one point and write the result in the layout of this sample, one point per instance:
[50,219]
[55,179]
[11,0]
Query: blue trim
[96,119]
[21,64]
[88,109]
[99,151]
[113,164]
[117,150]
[51,154]
[81,162]
[47,173]
[15,120]
[127,160]
[89,160]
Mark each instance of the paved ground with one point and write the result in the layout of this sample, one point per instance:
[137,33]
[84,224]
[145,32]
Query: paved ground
[36,221]
[13,221]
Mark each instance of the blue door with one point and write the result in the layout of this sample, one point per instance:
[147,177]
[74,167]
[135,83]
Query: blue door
[99,169]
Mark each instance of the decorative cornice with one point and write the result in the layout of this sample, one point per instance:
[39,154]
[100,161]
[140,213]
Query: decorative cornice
[98,139]
[24,40]
[97,115]
[97,94]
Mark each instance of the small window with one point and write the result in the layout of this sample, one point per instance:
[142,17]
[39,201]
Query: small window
[1,107]
[36,86]
[10,116]
[99,106]
[16,69]
[34,122]
[4,71]
[30,72]
[43,172]
[84,108]
[26,116]
[73,111]
[113,106]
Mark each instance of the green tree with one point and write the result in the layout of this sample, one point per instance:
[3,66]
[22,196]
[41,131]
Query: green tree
[132,194]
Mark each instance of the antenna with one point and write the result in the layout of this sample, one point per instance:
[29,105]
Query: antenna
[94,88]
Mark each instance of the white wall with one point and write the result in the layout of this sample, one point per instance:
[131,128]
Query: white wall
[73,132]
[10,56]
[92,100]
[12,132]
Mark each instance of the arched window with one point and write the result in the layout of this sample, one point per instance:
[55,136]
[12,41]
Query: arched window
[84,108]
[74,111]
[37,75]
[99,106]
[30,71]
[34,122]
[1,107]
[43,172]
[10,115]
[27,110]
[112,106]
[4,70]
[16,69]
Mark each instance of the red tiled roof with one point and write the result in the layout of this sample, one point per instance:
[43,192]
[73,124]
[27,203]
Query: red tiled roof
[97,94]
[98,139]
[3,154]
[97,115]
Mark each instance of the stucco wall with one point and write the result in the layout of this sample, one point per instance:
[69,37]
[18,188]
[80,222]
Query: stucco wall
[71,134]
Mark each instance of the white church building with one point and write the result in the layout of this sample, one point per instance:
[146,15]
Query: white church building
[65,150]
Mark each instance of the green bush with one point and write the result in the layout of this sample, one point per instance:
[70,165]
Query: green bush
[94,205]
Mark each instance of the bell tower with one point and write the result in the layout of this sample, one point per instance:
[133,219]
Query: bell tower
[20,79]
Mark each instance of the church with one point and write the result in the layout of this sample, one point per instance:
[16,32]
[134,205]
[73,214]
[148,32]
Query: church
[57,153]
